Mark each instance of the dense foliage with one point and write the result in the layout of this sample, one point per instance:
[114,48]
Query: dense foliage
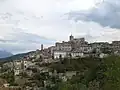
[92,74]
[99,74]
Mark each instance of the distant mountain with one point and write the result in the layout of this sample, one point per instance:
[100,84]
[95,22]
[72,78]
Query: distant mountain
[16,57]
[4,54]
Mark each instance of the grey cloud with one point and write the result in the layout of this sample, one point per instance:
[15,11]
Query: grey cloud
[18,40]
[21,42]
[22,37]
[30,38]
[18,48]
[106,14]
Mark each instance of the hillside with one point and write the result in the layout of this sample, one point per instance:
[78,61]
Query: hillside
[92,74]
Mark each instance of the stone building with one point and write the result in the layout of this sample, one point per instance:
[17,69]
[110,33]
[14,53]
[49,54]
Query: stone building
[51,50]
[64,46]
[85,48]
[116,46]
[17,67]
[77,42]
[75,47]
[99,45]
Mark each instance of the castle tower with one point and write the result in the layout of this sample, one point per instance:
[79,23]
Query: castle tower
[71,38]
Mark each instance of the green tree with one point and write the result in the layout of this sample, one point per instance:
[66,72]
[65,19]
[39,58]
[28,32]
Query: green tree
[112,73]
[68,86]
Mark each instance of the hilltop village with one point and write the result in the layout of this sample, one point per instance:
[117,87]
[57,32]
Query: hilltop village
[80,47]
[42,68]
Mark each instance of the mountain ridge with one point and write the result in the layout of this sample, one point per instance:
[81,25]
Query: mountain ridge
[5,54]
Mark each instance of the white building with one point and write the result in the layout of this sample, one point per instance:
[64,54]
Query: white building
[75,54]
[17,72]
[17,64]
[102,55]
[58,53]
[66,54]
[28,64]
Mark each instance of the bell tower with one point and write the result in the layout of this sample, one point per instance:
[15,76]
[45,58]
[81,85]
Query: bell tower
[41,46]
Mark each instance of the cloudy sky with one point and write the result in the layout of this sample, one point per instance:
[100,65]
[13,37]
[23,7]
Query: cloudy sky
[25,24]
